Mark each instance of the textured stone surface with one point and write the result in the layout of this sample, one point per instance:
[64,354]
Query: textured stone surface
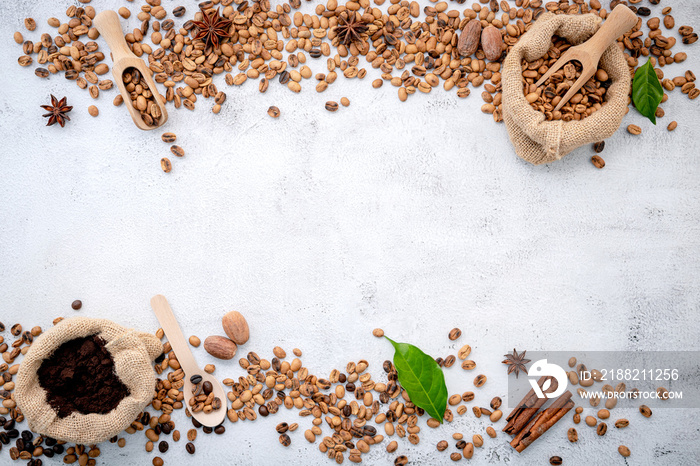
[318,227]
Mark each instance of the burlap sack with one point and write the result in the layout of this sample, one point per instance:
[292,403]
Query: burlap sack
[536,140]
[133,353]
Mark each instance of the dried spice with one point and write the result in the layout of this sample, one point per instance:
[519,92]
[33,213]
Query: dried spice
[349,28]
[213,29]
[516,362]
[57,111]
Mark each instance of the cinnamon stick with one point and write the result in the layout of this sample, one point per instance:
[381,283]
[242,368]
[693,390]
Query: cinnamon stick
[527,408]
[543,422]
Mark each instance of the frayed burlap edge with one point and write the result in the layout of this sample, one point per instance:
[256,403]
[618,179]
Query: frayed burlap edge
[538,141]
[133,353]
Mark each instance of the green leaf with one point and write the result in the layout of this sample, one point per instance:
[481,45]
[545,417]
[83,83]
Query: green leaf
[647,92]
[422,378]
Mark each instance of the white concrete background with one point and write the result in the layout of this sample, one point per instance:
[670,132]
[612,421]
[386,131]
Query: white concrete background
[415,217]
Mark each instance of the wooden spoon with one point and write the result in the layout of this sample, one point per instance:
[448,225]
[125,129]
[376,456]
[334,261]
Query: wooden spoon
[107,23]
[621,20]
[187,362]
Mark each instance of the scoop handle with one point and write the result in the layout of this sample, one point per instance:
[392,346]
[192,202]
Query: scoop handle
[167,320]
[621,20]
[109,27]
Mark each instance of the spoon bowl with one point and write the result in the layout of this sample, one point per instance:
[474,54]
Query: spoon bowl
[167,320]
[107,23]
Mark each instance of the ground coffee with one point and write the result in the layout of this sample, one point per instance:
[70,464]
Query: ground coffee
[79,376]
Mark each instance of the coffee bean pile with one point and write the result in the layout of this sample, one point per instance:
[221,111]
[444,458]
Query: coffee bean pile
[350,410]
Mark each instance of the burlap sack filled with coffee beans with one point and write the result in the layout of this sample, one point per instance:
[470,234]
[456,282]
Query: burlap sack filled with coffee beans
[536,140]
[133,353]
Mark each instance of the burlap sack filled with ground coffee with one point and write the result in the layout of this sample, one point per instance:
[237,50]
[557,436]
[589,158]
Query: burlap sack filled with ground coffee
[536,140]
[76,353]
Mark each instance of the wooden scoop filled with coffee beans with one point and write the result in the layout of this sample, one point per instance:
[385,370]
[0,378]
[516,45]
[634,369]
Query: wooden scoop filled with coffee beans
[133,77]
[204,395]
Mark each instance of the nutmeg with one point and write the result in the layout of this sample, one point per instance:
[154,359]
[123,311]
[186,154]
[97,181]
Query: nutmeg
[469,39]
[236,327]
[492,43]
[220,347]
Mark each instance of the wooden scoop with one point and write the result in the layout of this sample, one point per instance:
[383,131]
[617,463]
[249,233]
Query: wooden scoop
[621,20]
[107,23]
[177,341]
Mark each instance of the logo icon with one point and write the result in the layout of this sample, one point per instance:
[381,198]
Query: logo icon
[542,368]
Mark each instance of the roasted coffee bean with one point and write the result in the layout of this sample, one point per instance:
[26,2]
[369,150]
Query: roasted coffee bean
[273,111]
[598,161]
[598,147]
[555,460]
[196,379]
[332,106]
[454,334]
[690,38]
[468,365]
[645,410]
[634,129]
[643,11]
[163,446]
[207,429]
[624,451]
[285,440]
[480,380]
[16,329]
[442,445]
[572,434]
[263,411]
[220,429]
[177,151]
[77,304]
[401,461]
[602,429]
[207,387]
[189,447]
[388,366]
[461,444]
[169,137]
[282,427]
[166,165]
[622,423]
[496,402]
[179,11]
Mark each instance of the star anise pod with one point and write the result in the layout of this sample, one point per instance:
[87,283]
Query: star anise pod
[349,28]
[516,362]
[57,111]
[213,29]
